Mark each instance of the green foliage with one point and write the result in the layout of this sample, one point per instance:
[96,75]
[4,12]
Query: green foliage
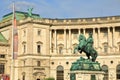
[50,78]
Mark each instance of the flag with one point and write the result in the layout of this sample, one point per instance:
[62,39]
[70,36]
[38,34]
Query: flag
[15,35]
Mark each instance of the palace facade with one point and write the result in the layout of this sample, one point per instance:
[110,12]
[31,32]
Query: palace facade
[45,46]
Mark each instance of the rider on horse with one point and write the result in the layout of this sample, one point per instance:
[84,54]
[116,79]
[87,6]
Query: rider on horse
[89,43]
[86,46]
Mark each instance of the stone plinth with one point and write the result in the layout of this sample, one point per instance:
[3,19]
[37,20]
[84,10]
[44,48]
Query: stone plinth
[86,75]
[85,69]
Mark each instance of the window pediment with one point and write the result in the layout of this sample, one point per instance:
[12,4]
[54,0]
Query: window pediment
[39,42]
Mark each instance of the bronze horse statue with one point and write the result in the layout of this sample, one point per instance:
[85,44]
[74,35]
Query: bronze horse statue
[86,46]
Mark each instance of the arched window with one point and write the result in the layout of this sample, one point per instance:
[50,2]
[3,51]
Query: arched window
[24,47]
[60,73]
[23,76]
[118,72]
[105,69]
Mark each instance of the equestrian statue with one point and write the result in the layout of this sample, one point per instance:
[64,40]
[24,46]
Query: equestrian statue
[86,46]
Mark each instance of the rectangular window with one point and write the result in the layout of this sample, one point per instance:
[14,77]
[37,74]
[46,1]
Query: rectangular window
[24,33]
[119,48]
[105,48]
[105,34]
[39,32]
[24,48]
[23,63]
[38,63]
[60,50]
[38,49]
[2,68]
[2,56]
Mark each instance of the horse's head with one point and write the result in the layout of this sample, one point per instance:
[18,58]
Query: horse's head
[81,37]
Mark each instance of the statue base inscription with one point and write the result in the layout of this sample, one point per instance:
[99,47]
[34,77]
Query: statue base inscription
[86,75]
[85,69]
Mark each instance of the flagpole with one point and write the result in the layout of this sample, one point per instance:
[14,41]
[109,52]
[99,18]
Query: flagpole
[12,44]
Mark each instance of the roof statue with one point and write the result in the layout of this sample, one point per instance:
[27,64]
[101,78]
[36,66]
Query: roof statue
[30,12]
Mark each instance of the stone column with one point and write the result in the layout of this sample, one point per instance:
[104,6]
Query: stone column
[113,38]
[65,41]
[94,37]
[79,31]
[70,42]
[55,43]
[50,41]
[108,39]
[98,38]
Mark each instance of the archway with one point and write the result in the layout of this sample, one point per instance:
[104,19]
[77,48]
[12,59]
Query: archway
[105,69]
[118,72]
[60,73]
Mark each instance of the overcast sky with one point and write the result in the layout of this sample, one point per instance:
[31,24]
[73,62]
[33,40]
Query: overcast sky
[64,8]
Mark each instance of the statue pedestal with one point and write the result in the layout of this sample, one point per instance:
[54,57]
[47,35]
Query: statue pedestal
[86,75]
[84,69]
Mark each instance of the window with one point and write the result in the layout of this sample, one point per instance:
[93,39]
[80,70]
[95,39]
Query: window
[60,36]
[39,32]
[24,33]
[105,34]
[24,48]
[52,48]
[23,63]
[38,63]
[2,68]
[105,47]
[60,73]
[119,47]
[118,72]
[23,76]
[38,49]
[119,33]
[60,50]
[105,69]
[75,36]
[2,56]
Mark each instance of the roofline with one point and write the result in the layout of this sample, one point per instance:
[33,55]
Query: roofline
[19,12]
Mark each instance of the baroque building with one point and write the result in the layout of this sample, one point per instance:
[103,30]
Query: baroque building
[45,46]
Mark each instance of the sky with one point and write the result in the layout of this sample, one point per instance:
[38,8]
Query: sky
[64,8]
